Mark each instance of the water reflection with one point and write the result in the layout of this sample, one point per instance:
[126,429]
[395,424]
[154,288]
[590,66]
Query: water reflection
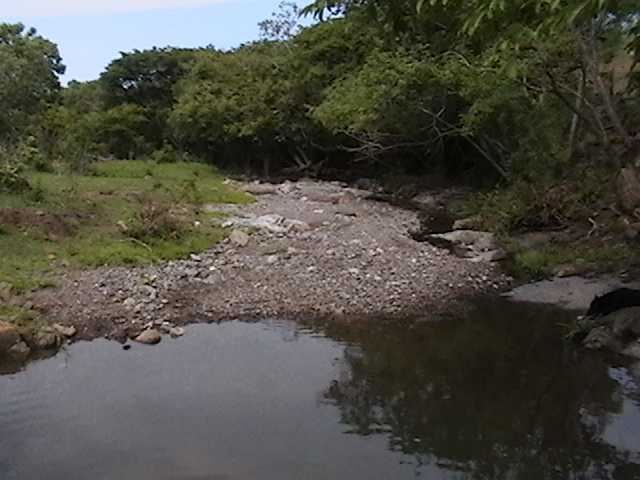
[499,395]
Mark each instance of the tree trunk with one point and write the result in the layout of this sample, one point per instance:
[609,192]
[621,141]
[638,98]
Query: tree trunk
[575,120]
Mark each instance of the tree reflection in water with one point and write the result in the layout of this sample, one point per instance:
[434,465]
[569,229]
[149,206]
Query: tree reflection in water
[498,395]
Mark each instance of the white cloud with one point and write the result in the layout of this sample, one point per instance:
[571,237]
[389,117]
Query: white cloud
[22,9]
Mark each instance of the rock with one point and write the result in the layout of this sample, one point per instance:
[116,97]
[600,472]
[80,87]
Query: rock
[369,184]
[324,198]
[239,238]
[176,332]
[5,291]
[631,350]
[119,334]
[271,259]
[47,339]
[471,239]
[20,349]
[407,191]
[469,223]
[489,256]
[634,370]
[9,336]
[65,330]
[298,225]
[625,323]
[628,189]
[570,269]
[601,338]
[122,226]
[575,293]
[260,189]
[472,244]
[271,222]
[426,201]
[129,302]
[150,336]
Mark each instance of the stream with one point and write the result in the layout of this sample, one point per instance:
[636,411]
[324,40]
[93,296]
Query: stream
[496,395]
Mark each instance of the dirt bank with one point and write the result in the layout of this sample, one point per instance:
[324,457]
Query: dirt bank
[323,250]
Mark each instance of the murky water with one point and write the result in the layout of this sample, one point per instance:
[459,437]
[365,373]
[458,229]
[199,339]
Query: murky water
[498,395]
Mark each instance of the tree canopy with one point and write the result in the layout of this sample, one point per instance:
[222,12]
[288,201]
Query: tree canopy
[29,69]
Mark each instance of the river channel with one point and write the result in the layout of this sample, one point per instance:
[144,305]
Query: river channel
[496,395]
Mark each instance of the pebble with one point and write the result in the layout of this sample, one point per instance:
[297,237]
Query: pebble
[150,336]
[176,332]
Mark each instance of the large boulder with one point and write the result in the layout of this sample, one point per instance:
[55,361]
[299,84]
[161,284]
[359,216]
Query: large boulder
[602,338]
[625,323]
[618,332]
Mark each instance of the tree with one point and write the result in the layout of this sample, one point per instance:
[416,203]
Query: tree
[282,25]
[29,69]
[499,27]
[233,98]
[145,77]
[83,97]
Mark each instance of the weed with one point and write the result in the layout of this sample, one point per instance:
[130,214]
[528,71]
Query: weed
[580,327]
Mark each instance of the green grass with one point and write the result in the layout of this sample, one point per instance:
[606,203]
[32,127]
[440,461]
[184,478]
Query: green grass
[539,263]
[124,212]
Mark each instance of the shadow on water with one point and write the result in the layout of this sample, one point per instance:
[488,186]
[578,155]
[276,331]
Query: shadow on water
[497,395]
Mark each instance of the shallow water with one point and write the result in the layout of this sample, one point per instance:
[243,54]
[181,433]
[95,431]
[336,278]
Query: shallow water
[497,395]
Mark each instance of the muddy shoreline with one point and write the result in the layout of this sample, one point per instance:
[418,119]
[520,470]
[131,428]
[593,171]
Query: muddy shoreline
[326,251]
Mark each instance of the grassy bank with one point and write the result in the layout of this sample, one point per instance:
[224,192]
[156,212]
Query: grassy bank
[123,212]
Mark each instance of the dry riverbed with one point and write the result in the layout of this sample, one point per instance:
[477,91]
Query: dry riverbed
[302,250]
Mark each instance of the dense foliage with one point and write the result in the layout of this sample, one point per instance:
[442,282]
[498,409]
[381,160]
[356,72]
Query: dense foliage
[525,94]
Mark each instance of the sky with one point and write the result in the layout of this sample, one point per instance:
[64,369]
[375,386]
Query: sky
[92,33]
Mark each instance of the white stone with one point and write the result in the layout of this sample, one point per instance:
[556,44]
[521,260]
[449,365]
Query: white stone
[239,238]
[176,332]
[65,330]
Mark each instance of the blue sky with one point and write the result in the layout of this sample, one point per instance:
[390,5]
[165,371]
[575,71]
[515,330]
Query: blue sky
[91,33]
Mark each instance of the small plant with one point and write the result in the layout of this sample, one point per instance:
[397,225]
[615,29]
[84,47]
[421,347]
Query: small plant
[580,327]
[154,221]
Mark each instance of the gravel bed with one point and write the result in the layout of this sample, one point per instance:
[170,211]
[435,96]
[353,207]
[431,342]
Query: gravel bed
[322,251]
